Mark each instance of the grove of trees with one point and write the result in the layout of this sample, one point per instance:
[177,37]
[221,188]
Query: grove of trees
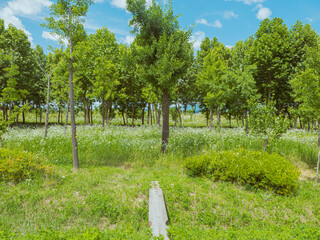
[159,69]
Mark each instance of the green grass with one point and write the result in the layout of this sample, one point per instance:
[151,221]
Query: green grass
[108,197]
[113,203]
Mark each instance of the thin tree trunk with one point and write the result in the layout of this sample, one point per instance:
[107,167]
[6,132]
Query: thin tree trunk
[142,116]
[59,115]
[295,122]
[211,118]
[301,127]
[165,121]
[132,122]
[237,122]
[309,126]
[36,115]
[246,120]
[47,110]
[67,113]
[319,133]
[40,113]
[265,143]
[109,112]
[159,117]
[124,120]
[102,112]
[150,115]
[72,113]
[179,113]
[219,118]
[91,113]
[148,119]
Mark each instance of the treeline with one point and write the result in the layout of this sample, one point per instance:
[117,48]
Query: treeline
[275,64]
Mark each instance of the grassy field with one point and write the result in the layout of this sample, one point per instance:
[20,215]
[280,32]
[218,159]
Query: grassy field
[108,197]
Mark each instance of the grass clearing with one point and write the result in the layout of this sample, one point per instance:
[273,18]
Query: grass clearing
[108,197]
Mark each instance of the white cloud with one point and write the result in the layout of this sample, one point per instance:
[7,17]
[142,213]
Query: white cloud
[229,14]
[197,39]
[28,7]
[9,18]
[53,37]
[309,19]
[122,3]
[16,8]
[263,12]
[229,46]
[216,24]
[249,2]
[129,39]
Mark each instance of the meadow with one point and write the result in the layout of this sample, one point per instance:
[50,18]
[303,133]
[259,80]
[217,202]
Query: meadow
[108,197]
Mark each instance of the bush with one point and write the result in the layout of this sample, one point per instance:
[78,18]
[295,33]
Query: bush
[17,166]
[259,169]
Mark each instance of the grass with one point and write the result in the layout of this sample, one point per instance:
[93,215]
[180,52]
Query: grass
[108,197]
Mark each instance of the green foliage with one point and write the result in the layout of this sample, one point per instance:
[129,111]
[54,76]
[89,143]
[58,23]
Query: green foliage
[259,169]
[16,166]
[264,122]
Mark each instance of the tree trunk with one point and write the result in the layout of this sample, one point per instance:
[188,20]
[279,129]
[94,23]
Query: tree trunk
[295,122]
[211,118]
[159,117]
[142,116]
[91,113]
[265,143]
[85,113]
[318,133]
[59,115]
[124,120]
[67,113]
[301,127]
[23,118]
[40,113]
[309,126]
[132,122]
[179,113]
[246,120]
[148,119]
[237,122]
[165,121]
[47,110]
[102,112]
[109,112]
[150,115]
[219,118]
[72,113]
[36,115]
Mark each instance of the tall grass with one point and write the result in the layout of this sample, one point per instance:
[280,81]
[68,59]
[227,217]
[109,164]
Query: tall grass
[116,145]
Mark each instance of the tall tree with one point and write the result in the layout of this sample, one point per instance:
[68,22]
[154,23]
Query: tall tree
[271,52]
[67,20]
[166,52]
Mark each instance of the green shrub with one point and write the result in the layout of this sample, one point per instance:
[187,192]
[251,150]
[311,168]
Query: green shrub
[259,169]
[17,166]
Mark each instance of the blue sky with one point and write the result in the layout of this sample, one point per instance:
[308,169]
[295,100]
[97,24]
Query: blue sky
[228,20]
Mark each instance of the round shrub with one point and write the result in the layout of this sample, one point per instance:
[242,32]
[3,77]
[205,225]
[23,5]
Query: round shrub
[257,168]
[17,166]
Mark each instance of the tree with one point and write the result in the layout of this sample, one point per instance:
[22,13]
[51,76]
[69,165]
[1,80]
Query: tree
[165,54]
[264,121]
[214,81]
[69,16]
[271,52]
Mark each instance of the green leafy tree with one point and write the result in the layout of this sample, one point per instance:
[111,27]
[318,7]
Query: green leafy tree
[213,80]
[166,53]
[271,52]
[264,121]
[67,21]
